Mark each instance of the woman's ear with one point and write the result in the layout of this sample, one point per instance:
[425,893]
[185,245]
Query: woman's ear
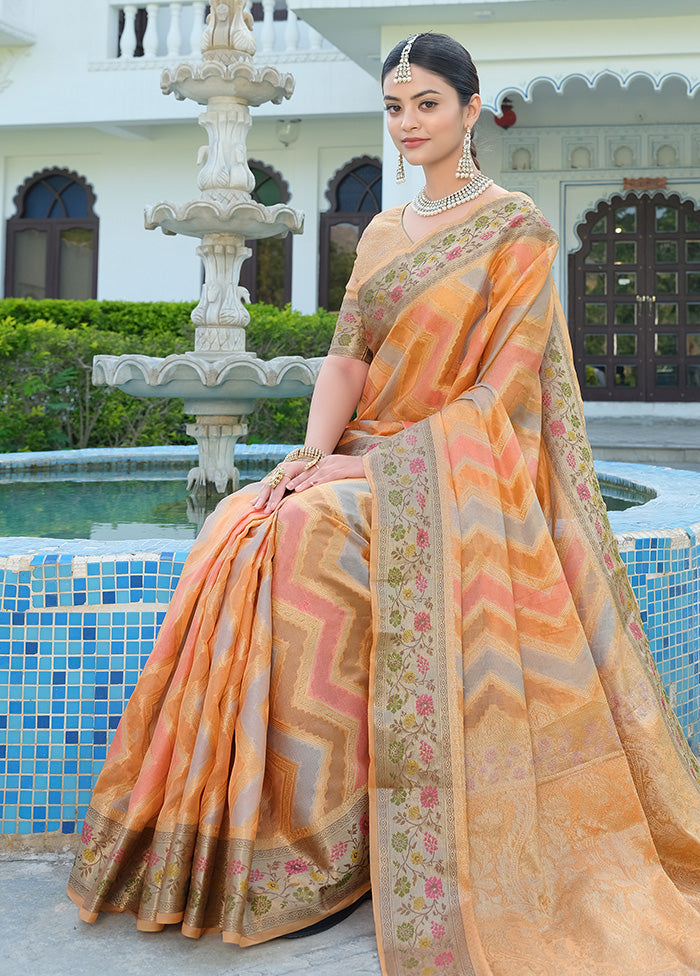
[472,111]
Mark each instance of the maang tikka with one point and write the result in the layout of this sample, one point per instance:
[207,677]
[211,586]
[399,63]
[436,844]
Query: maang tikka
[403,68]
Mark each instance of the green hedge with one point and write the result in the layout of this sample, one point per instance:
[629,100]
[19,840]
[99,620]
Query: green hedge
[47,397]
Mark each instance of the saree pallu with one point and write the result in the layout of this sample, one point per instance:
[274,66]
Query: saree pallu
[534,809]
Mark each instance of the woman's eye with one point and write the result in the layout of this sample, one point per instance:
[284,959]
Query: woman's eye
[428,104]
[390,108]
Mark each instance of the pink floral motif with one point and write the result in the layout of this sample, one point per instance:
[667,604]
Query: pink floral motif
[516,221]
[557,428]
[423,272]
[431,844]
[598,527]
[349,317]
[570,459]
[202,863]
[546,398]
[118,855]
[421,621]
[437,930]
[433,888]
[421,584]
[424,705]
[422,663]
[429,797]
[420,498]
[454,253]
[236,867]
[411,440]
[444,959]
[426,751]
[364,824]
[608,561]
[416,466]
[256,875]
[584,492]
[487,235]
[396,293]
[297,866]
[338,850]
[422,538]
[150,857]
[86,835]
[379,314]
[636,630]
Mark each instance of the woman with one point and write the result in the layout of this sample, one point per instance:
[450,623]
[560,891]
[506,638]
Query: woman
[413,653]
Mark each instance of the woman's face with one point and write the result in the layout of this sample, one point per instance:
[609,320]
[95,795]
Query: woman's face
[425,119]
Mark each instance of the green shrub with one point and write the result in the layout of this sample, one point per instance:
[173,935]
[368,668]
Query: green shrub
[46,393]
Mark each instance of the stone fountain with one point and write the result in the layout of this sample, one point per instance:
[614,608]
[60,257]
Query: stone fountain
[220,380]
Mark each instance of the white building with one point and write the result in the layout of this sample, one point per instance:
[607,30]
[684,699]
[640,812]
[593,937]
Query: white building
[604,135]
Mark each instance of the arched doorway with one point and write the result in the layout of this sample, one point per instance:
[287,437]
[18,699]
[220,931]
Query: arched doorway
[52,238]
[355,195]
[634,287]
[267,273]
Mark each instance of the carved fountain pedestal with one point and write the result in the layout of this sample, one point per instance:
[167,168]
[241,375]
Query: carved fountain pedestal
[220,380]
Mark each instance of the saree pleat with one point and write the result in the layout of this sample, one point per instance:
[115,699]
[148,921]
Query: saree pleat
[438,675]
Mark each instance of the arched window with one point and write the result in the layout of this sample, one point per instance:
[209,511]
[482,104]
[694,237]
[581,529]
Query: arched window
[52,238]
[355,195]
[267,274]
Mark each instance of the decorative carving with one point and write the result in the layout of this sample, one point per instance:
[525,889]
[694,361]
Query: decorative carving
[221,302]
[521,158]
[216,442]
[225,162]
[666,156]
[581,158]
[229,33]
[623,157]
[645,183]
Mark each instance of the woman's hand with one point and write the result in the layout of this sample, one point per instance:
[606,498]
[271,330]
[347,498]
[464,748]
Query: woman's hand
[335,467]
[297,477]
[269,497]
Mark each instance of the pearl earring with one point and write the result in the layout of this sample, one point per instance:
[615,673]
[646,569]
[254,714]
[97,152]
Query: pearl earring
[400,171]
[465,167]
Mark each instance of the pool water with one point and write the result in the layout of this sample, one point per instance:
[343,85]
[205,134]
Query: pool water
[104,508]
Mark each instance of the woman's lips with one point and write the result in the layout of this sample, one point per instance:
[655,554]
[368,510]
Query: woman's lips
[410,143]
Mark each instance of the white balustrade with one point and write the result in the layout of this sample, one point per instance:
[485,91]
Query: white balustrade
[173,28]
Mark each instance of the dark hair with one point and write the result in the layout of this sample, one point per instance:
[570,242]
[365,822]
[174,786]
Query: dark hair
[444,56]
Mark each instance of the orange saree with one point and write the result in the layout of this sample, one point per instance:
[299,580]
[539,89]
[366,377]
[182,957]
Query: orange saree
[522,794]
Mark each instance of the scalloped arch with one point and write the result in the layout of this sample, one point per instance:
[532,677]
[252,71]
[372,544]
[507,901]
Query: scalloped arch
[43,174]
[591,81]
[588,216]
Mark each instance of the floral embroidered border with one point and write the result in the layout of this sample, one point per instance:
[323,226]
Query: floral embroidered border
[419,775]
[226,884]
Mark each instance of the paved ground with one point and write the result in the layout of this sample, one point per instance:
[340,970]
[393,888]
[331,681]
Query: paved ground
[43,936]
[666,441]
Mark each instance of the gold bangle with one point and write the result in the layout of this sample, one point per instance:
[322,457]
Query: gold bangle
[313,454]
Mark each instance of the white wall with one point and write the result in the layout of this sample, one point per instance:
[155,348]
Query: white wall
[129,174]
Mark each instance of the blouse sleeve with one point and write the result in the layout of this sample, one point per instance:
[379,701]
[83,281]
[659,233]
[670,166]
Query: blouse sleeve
[349,338]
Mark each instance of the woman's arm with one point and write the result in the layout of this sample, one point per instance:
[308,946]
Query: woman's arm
[335,398]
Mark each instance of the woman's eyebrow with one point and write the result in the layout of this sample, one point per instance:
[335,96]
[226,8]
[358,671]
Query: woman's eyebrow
[428,91]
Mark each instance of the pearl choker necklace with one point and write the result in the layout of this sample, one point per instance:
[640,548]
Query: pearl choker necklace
[428,208]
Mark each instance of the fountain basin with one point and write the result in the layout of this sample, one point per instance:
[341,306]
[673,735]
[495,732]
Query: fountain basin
[79,619]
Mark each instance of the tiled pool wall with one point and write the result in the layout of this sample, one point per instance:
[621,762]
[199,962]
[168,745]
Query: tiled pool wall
[77,626]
